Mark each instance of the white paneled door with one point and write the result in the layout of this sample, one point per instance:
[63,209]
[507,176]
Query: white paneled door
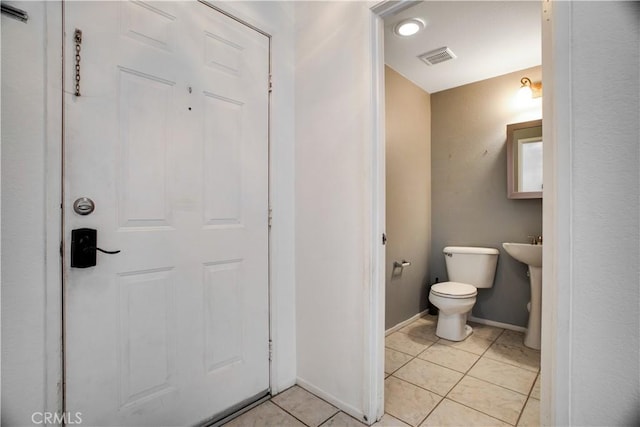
[169,138]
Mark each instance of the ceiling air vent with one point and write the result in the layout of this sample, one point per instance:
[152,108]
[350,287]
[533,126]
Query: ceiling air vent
[437,56]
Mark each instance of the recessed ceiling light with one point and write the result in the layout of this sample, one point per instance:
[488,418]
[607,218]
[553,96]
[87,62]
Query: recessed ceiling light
[408,27]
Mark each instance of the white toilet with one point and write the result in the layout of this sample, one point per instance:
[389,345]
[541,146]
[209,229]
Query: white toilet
[468,268]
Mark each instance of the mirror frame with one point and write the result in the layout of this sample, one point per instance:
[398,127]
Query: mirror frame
[512,192]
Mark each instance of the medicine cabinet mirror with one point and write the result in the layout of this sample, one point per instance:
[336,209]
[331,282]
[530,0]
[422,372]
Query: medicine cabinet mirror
[524,160]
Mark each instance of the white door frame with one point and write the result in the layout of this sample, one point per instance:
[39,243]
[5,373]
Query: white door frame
[554,34]
[54,400]
[281,191]
[373,379]
[375,305]
[281,276]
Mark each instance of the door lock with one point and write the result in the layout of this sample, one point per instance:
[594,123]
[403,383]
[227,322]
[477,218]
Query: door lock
[83,206]
[84,243]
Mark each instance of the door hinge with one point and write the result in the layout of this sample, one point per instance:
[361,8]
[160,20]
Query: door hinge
[270,350]
[270,220]
[270,83]
[384,238]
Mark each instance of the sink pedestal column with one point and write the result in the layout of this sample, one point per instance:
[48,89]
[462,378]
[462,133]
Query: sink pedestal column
[532,336]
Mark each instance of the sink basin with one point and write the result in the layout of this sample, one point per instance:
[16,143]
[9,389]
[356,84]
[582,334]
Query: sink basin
[526,253]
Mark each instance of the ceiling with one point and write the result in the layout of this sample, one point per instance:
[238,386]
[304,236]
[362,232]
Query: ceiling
[489,38]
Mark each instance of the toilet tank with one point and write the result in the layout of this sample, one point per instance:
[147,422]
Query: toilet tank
[472,265]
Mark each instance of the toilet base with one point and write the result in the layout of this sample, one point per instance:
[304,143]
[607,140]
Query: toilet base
[453,327]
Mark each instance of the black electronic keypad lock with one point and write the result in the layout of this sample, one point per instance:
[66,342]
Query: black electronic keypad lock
[84,244]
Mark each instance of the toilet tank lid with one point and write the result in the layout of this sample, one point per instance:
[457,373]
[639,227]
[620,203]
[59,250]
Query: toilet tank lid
[470,250]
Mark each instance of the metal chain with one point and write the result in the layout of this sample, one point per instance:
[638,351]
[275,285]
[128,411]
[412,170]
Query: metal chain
[78,39]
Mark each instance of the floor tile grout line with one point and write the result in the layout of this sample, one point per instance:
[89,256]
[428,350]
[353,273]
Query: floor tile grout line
[443,366]
[404,352]
[533,385]
[446,345]
[446,394]
[414,335]
[479,356]
[468,373]
[465,374]
[430,391]
[275,403]
[419,386]
[483,352]
[452,347]
[522,412]
[401,366]
[506,345]
[527,397]
[320,398]
[512,364]
[330,418]
[317,397]
[498,385]
[401,419]
[431,342]
[476,410]
[448,367]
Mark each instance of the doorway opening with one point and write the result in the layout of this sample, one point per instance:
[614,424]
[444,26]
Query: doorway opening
[413,329]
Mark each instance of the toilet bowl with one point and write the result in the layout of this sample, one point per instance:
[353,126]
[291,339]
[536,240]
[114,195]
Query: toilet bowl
[454,301]
[468,268]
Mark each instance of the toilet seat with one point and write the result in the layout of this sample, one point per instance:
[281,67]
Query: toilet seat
[454,290]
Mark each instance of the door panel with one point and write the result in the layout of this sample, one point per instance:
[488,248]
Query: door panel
[145,107]
[146,338]
[169,138]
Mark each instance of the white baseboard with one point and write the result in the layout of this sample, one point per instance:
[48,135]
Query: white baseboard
[498,324]
[405,323]
[355,413]
[471,318]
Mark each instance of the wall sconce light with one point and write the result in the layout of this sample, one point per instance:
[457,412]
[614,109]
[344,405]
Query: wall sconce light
[529,89]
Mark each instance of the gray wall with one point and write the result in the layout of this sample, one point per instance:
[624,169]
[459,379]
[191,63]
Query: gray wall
[469,187]
[408,193]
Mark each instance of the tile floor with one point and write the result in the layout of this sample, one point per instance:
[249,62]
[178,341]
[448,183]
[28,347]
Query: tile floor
[489,379]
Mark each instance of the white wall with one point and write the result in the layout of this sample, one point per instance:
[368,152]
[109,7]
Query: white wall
[24,149]
[333,144]
[593,378]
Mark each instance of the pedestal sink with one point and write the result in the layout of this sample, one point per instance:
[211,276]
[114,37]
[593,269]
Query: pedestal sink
[532,256]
